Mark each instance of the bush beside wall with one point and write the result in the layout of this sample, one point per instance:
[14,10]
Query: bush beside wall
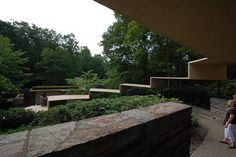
[197,96]
[15,118]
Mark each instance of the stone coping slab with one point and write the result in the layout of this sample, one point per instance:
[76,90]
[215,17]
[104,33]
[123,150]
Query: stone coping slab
[51,139]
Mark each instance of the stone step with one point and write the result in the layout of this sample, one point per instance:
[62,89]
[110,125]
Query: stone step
[103,90]
[136,85]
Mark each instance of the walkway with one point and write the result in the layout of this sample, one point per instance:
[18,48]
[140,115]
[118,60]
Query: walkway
[211,146]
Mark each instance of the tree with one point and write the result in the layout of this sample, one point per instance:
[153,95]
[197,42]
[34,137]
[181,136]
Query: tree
[87,62]
[6,85]
[98,65]
[139,40]
[137,53]
[115,51]
[87,80]
[40,44]
[84,58]
[33,40]
[56,65]
[12,68]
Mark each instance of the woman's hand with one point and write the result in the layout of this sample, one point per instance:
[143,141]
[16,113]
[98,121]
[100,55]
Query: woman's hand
[231,117]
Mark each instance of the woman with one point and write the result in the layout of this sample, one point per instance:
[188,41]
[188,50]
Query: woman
[226,135]
[230,125]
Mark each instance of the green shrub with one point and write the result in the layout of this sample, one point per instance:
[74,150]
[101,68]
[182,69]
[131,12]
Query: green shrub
[7,90]
[52,87]
[58,114]
[103,95]
[194,121]
[15,117]
[227,89]
[96,107]
[194,95]
[86,109]
[22,119]
[140,91]
[88,80]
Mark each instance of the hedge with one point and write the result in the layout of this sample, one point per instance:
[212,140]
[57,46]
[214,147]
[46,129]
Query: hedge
[227,89]
[20,119]
[96,107]
[15,117]
[52,87]
[195,95]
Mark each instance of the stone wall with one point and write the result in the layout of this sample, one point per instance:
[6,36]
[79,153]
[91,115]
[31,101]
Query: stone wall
[158,130]
[218,108]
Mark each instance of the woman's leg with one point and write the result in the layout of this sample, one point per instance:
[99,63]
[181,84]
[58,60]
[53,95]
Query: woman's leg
[226,133]
[232,134]
[226,136]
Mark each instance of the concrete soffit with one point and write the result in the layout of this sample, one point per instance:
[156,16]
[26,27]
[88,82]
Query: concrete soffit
[207,27]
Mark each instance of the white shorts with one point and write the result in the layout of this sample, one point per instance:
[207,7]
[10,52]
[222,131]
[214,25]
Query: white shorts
[230,132]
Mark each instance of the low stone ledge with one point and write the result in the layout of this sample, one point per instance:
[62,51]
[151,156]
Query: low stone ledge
[45,140]
[149,131]
[13,144]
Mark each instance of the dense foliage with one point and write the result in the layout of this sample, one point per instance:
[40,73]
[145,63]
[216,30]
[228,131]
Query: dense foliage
[20,118]
[195,94]
[15,117]
[192,95]
[12,69]
[223,89]
[52,57]
[85,82]
[11,62]
[135,53]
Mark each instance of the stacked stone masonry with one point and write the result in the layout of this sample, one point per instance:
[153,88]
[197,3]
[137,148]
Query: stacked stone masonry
[154,131]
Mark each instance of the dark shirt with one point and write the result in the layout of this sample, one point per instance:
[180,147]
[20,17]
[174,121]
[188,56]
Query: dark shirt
[233,111]
[226,118]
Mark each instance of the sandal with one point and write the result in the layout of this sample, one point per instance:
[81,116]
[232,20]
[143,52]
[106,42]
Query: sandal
[232,147]
[224,142]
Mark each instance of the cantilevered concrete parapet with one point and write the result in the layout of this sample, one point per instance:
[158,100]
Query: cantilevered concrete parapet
[203,69]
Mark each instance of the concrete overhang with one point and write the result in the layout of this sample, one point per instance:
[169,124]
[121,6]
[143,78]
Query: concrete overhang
[207,27]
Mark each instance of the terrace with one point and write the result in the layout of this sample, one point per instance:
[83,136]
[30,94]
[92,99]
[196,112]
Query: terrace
[204,27]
